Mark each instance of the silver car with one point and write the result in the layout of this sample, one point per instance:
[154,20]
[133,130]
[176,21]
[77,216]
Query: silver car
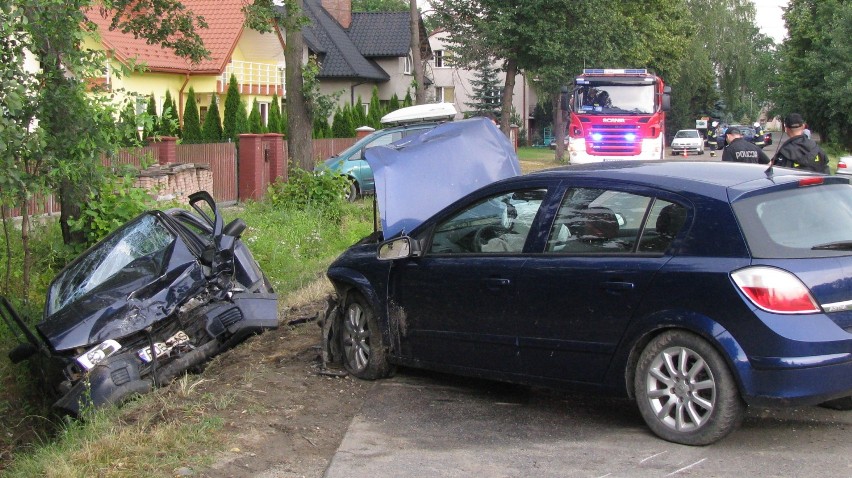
[687,141]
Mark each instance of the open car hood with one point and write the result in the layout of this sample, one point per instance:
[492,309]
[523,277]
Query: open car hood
[419,177]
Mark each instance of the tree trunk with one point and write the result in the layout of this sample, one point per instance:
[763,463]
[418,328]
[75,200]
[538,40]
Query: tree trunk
[508,92]
[559,126]
[420,87]
[70,199]
[299,121]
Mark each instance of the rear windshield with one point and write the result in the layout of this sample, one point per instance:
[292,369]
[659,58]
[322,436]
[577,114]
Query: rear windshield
[806,222]
[687,133]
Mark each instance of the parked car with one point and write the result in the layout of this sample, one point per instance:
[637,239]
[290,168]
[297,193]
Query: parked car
[154,299]
[687,141]
[844,165]
[748,135]
[695,288]
[406,123]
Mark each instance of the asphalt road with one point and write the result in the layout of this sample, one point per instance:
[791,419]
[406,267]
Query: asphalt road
[420,424]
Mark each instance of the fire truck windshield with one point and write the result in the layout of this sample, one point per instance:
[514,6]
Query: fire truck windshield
[608,98]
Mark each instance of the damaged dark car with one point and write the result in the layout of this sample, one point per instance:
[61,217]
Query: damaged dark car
[156,298]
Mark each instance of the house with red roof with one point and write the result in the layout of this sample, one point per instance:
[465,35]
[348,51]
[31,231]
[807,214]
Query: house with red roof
[256,60]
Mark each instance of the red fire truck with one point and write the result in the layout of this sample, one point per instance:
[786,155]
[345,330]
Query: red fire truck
[617,114]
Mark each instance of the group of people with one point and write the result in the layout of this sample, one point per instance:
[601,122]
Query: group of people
[799,151]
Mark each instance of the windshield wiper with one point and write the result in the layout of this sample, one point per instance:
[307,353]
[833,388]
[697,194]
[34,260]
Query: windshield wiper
[834,246]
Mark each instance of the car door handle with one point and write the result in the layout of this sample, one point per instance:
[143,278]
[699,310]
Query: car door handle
[497,282]
[618,285]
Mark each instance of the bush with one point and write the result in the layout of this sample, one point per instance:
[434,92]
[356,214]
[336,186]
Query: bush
[113,204]
[321,191]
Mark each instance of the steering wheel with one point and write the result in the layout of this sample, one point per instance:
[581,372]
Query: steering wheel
[485,234]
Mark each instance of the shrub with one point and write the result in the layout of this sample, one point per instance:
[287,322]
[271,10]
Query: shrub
[323,192]
[113,204]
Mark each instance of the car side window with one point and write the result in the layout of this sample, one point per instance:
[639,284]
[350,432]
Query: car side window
[597,221]
[382,140]
[496,225]
[664,221]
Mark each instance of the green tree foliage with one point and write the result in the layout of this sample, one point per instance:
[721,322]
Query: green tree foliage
[242,120]
[487,90]
[341,127]
[321,128]
[359,116]
[274,125]
[211,131]
[127,135]
[816,73]
[169,124]
[394,103]
[284,123]
[407,101]
[376,112]
[191,120]
[380,5]
[152,127]
[232,106]
[254,120]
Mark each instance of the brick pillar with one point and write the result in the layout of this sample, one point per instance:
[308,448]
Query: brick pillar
[363,131]
[166,149]
[249,167]
[277,161]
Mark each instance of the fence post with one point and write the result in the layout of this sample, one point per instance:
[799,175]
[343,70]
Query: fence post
[277,162]
[166,149]
[249,167]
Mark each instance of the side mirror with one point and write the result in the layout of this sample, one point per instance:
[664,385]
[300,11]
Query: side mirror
[667,98]
[398,248]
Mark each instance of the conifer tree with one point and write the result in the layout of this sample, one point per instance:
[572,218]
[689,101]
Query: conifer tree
[127,125]
[212,130]
[254,119]
[407,101]
[242,120]
[169,120]
[358,114]
[152,125]
[232,106]
[487,94]
[376,112]
[340,127]
[274,125]
[284,123]
[393,105]
[191,122]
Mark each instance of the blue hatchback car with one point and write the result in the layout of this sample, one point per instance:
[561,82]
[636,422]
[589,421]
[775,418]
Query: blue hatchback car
[696,288]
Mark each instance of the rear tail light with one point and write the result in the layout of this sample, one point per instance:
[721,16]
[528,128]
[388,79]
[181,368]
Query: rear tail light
[775,290]
[810,181]
[841,165]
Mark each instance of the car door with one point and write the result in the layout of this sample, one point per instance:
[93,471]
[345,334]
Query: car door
[576,298]
[453,300]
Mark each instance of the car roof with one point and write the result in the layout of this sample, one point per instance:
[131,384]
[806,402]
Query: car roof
[721,180]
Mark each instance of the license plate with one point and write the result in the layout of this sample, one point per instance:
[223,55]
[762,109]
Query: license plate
[163,348]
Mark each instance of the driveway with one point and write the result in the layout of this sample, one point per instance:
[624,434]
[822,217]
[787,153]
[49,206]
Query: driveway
[423,424]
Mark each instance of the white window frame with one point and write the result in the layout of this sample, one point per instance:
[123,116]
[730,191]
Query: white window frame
[409,64]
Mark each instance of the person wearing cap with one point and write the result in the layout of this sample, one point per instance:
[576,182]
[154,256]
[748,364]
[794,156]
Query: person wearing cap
[741,151]
[799,151]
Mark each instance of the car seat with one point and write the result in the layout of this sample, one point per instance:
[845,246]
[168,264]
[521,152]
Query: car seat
[669,223]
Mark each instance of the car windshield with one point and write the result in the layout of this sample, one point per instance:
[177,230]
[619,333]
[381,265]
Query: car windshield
[798,223]
[615,99]
[140,238]
[687,133]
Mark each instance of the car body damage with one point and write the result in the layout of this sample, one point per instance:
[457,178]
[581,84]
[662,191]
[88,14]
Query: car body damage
[154,299]
[414,180]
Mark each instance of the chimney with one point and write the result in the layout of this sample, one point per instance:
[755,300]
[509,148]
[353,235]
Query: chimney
[340,10]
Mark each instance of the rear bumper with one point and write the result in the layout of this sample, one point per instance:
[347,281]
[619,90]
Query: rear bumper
[784,381]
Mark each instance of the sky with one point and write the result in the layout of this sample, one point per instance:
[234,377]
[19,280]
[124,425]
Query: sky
[768,18]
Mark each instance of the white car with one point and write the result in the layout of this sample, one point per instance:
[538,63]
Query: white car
[687,141]
[844,165]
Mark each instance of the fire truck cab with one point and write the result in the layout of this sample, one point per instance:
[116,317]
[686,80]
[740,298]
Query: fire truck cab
[617,114]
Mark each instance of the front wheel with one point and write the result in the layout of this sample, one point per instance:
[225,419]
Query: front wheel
[364,352]
[685,391]
[351,191]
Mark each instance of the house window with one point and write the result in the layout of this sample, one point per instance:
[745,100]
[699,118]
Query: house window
[439,58]
[409,65]
[445,94]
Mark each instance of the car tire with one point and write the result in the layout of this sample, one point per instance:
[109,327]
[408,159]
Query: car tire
[685,390]
[365,354]
[843,404]
[351,192]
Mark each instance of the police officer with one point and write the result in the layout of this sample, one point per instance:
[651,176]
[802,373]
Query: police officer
[799,151]
[741,151]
